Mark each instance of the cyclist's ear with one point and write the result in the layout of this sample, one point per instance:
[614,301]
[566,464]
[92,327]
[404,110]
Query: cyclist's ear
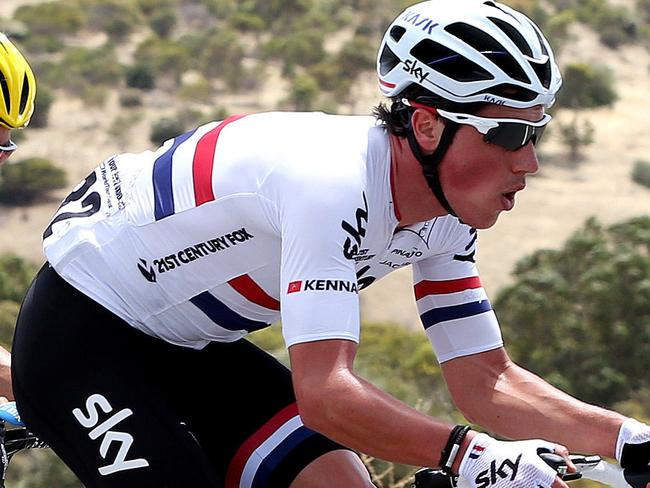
[427,127]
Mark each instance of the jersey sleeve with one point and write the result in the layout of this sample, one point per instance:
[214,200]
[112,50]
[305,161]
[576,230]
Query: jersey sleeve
[453,306]
[318,289]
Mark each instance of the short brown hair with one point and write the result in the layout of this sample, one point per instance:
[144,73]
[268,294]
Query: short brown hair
[396,117]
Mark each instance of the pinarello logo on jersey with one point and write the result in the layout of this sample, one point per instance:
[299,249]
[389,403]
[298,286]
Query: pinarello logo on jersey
[322,285]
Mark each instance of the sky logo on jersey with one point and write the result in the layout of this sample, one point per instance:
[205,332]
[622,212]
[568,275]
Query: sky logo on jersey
[322,285]
[192,253]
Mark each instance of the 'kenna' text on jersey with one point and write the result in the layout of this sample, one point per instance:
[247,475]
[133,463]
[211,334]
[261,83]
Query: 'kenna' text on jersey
[322,285]
[192,253]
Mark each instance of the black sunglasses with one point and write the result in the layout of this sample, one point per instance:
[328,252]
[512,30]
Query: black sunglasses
[511,134]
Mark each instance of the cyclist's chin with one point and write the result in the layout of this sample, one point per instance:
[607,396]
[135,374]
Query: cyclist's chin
[479,219]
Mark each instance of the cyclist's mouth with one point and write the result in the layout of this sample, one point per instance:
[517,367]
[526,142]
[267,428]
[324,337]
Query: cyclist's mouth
[508,200]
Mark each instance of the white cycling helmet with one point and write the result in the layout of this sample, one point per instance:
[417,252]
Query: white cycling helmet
[469,51]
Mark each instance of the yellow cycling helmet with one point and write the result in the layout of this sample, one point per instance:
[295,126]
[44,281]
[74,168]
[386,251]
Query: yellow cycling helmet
[17,86]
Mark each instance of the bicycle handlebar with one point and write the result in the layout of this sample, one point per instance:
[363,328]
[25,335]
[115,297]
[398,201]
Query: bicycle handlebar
[589,467]
[9,413]
[15,440]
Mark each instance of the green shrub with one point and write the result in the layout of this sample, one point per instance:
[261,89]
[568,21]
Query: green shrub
[24,181]
[276,11]
[328,74]
[357,55]
[115,17]
[165,57]
[8,315]
[51,18]
[247,21]
[297,48]
[150,7]
[42,104]
[130,99]
[579,316]
[618,28]
[198,90]
[165,129]
[140,76]
[50,73]
[221,57]
[82,67]
[163,21]
[576,135]
[39,43]
[15,276]
[614,24]
[641,173]
[587,86]
[303,93]
[557,26]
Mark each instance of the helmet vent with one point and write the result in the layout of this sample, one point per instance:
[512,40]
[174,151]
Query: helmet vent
[490,48]
[5,94]
[492,4]
[397,32]
[387,61]
[24,96]
[540,38]
[511,92]
[448,62]
[543,72]
[514,36]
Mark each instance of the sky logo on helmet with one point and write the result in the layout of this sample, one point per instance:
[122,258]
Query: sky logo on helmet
[425,23]
[412,68]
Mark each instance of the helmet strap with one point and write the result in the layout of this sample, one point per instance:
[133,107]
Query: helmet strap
[431,162]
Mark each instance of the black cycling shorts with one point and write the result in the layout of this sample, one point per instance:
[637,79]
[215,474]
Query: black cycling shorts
[123,409]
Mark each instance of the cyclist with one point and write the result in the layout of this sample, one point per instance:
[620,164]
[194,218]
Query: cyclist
[16,108]
[18,89]
[130,357]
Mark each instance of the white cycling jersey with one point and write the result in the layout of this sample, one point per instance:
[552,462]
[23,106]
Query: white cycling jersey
[243,222]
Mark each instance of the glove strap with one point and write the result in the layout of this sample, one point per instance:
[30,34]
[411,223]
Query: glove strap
[449,453]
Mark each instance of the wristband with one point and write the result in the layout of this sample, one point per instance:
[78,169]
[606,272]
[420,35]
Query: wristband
[449,453]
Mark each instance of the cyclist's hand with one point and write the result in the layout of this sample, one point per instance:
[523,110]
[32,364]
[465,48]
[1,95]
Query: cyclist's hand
[489,463]
[633,445]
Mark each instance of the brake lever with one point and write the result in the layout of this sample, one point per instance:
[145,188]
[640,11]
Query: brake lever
[558,463]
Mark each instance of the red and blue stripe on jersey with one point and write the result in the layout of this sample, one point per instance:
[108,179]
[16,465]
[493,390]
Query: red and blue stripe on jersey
[227,318]
[446,288]
[202,168]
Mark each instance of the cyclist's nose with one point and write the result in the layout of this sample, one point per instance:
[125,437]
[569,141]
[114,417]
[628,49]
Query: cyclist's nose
[525,160]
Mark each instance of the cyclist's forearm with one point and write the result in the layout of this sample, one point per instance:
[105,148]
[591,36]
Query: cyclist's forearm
[360,416]
[524,405]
